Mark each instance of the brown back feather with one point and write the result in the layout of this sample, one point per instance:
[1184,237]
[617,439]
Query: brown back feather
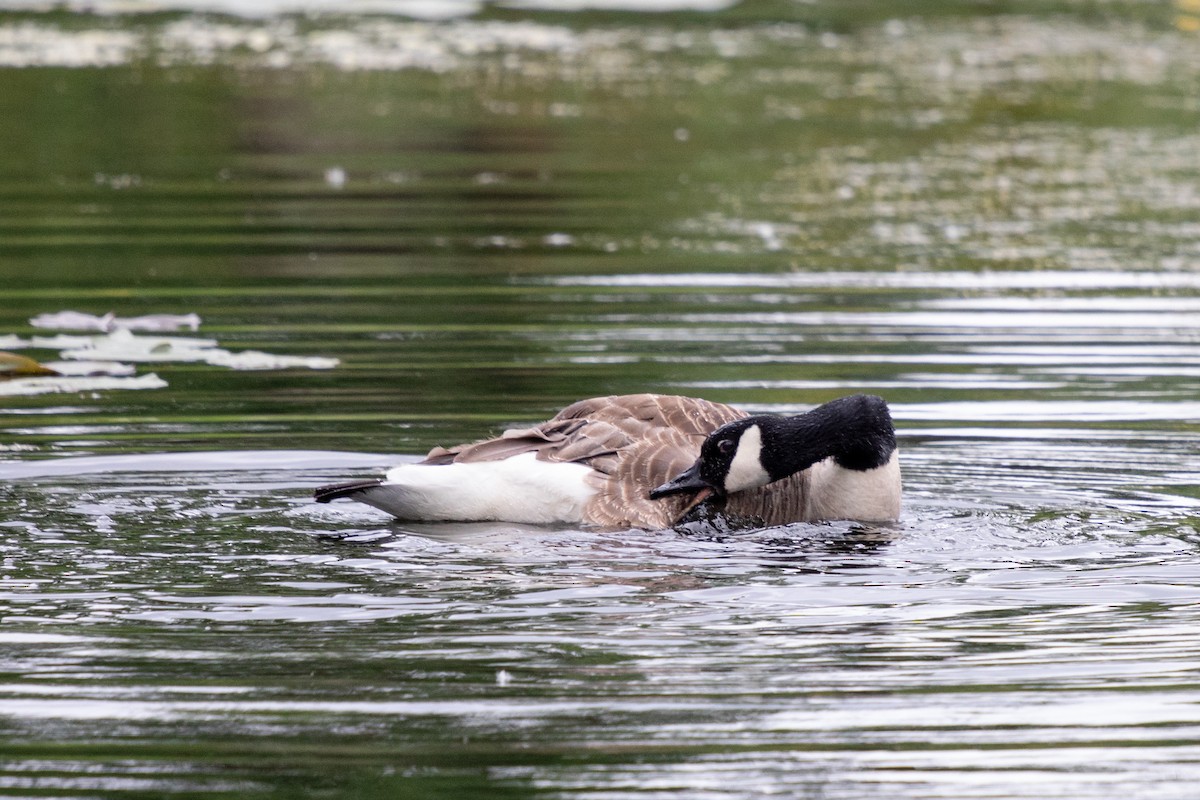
[633,442]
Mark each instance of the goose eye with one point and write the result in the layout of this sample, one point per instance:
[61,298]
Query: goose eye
[725,446]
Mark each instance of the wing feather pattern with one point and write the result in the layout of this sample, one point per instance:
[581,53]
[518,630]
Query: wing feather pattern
[633,442]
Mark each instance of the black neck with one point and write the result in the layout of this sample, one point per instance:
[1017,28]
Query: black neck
[856,431]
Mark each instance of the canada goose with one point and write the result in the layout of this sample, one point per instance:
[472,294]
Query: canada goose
[610,461]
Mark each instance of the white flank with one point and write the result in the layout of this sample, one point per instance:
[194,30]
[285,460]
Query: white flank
[746,470]
[872,495]
[517,489]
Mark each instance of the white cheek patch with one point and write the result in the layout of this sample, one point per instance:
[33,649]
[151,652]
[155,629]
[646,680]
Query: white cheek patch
[746,470]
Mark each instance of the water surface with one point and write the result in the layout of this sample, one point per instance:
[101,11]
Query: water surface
[988,220]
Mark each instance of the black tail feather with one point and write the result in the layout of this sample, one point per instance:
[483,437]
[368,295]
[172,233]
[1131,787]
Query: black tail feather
[323,494]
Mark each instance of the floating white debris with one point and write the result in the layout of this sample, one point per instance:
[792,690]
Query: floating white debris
[256,359]
[73,321]
[80,321]
[335,177]
[104,361]
[57,342]
[558,239]
[124,345]
[80,369]
[64,384]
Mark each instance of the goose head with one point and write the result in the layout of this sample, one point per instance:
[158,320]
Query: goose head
[856,432]
[731,460]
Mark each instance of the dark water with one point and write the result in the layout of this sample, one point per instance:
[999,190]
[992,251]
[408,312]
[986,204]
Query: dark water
[989,220]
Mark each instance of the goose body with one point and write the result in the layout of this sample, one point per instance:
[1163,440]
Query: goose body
[645,460]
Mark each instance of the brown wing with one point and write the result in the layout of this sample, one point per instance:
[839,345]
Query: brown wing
[633,442]
[663,434]
[639,412]
[626,480]
[544,439]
